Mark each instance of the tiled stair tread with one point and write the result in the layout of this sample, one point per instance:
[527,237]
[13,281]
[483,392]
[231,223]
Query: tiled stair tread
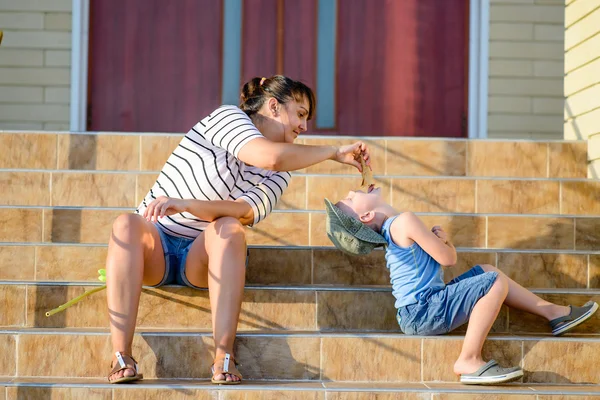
[398,335]
[263,308]
[317,357]
[38,224]
[269,288]
[319,386]
[393,156]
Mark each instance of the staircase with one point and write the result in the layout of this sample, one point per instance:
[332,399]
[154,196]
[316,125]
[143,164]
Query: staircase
[315,323]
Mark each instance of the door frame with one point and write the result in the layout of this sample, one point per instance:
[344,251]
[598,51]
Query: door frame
[479,29]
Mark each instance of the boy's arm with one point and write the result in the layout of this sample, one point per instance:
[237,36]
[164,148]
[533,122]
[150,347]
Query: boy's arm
[203,209]
[408,228]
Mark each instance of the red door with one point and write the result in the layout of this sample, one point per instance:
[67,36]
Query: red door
[400,65]
[155,65]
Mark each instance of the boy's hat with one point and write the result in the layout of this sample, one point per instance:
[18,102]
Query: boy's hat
[349,234]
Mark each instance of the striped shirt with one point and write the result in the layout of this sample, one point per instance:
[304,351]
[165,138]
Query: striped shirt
[204,166]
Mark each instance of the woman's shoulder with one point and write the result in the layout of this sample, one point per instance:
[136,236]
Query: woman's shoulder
[226,110]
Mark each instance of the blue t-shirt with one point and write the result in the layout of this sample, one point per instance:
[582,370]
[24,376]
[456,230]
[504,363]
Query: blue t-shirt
[412,270]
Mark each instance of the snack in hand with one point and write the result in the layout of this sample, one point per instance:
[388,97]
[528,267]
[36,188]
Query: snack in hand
[367,176]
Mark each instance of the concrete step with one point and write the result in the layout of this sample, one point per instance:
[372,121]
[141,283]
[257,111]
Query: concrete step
[285,265]
[64,188]
[390,156]
[301,308]
[307,228]
[296,356]
[174,389]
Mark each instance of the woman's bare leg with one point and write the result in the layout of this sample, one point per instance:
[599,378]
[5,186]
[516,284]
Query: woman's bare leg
[480,322]
[135,255]
[224,243]
[520,298]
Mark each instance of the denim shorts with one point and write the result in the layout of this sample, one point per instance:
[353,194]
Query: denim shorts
[442,311]
[176,250]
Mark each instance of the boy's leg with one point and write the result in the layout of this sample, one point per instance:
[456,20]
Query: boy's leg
[480,322]
[522,299]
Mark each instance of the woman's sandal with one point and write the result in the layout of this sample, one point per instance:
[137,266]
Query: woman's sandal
[225,364]
[122,365]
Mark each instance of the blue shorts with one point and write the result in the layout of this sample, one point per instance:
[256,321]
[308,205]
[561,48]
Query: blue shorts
[442,311]
[176,250]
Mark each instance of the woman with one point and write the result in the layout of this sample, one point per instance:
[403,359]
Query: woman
[189,228]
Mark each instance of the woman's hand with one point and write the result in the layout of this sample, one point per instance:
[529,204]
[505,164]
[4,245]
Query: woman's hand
[164,206]
[351,154]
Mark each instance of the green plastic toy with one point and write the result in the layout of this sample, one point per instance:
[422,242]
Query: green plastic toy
[101,278]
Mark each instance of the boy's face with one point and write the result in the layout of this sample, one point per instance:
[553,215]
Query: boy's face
[358,202]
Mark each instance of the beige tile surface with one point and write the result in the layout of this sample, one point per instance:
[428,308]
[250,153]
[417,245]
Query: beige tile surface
[268,266]
[25,188]
[377,396]
[545,270]
[568,160]
[156,150]
[426,157]
[56,355]
[517,197]
[93,189]
[594,271]
[434,195]
[12,303]
[368,359]
[508,159]
[334,267]
[69,263]
[294,197]
[8,347]
[144,184]
[279,357]
[79,226]
[543,366]
[355,311]
[99,152]
[32,151]
[20,225]
[482,396]
[280,229]
[272,395]
[463,231]
[17,262]
[587,233]
[580,198]
[165,394]
[530,233]
[318,233]
[56,393]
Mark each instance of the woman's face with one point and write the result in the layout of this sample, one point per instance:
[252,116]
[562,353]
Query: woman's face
[293,118]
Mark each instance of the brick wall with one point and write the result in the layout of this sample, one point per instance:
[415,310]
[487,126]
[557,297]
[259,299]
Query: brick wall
[526,56]
[582,77]
[35,60]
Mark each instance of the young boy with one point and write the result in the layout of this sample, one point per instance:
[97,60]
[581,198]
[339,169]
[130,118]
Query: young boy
[427,306]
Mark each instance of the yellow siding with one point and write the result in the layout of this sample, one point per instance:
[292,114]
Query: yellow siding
[526,98]
[35,62]
[582,80]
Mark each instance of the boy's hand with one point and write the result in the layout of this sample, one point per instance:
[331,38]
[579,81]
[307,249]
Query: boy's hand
[439,232]
[351,154]
[162,206]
